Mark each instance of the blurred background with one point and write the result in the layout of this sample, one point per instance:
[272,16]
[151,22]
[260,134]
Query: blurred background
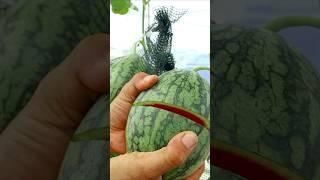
[257,12]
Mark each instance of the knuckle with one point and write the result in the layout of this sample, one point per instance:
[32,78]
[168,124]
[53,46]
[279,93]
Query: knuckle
[124,94]
[126,97]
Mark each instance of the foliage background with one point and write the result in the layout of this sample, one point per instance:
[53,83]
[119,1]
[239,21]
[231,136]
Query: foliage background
[257,12]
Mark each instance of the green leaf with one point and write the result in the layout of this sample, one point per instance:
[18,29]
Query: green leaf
[120,6]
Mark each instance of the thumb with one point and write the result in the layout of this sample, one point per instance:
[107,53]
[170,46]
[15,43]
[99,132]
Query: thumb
[121,105]
[152,165]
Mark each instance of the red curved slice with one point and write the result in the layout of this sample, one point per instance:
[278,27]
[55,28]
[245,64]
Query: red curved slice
[177,110]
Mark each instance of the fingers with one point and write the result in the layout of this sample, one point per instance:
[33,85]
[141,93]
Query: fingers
[121,105]
[154,164]
[135,86]
[197,174]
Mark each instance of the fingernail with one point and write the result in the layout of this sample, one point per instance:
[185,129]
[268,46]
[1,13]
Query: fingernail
[189,140]
[149,78]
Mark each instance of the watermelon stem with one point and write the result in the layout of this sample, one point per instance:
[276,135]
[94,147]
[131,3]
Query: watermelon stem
[200,68]
[281,23]
[142,41]
[92,134]
[143,16]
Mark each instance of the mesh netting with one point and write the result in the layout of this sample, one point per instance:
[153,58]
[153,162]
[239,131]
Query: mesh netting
[159,40]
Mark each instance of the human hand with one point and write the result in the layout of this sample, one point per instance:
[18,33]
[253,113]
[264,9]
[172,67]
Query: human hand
[144,165]
[120,108]
[34,143]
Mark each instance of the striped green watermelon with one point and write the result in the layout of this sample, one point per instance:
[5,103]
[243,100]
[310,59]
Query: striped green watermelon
[178,102]
[122,70]
[35,37]
[266,107]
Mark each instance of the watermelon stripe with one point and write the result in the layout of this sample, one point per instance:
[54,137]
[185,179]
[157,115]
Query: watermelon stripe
[247,164]
[177,110]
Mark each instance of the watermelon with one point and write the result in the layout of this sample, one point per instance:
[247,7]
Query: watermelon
[178,102]
[35,37]
[265,105]
[122,70]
